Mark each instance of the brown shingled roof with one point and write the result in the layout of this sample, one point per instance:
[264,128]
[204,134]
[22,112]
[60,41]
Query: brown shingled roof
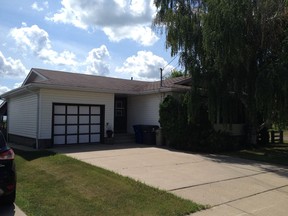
[68,79]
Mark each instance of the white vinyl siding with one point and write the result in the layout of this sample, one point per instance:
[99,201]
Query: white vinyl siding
[22,115]
[143,109]
[50,96]
[233,129]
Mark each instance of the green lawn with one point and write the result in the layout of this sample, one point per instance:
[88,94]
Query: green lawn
[53,184]
[275,154]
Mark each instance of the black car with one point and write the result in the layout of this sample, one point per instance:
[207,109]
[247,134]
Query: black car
[7,173]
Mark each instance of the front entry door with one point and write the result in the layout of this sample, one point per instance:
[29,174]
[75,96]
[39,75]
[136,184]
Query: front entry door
[120,115]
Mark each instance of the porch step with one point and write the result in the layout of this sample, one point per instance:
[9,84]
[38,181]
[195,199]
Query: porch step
[124,138]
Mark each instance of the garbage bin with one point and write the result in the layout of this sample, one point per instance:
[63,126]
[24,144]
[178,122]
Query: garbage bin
[138,133]
[159,140]
[149,134]
[145,134]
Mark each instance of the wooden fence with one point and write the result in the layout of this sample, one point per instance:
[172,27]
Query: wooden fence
[277,137]
[273,137]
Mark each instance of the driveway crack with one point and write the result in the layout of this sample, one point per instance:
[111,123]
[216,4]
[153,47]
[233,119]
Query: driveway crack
[252,195]
[218,181]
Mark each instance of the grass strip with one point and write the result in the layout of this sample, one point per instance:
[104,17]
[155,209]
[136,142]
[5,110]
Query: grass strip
[54,184]
[275,154]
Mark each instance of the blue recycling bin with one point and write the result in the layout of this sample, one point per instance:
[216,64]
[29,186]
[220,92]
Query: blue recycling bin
[138,133]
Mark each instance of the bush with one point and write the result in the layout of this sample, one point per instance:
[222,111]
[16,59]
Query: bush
[173,120]
[179,132]
[182,134]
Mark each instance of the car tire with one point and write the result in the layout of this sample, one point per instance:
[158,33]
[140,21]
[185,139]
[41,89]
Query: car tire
[9,199]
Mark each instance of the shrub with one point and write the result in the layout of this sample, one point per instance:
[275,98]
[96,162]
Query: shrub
[199,135]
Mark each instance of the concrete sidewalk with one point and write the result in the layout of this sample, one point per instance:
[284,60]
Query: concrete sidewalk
[231,186]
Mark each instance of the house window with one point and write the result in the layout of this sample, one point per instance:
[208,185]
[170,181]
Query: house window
[119,105]
[119,112]
[119,109]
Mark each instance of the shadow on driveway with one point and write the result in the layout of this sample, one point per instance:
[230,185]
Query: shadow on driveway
[280,170]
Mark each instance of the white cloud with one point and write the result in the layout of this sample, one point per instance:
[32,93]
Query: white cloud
[3,89]
[17,85]
[144,65]
[46,4]
[37,40]
[11,67]
[36,7]
[31,38]
[95,61]
[119,19]
[138,7]
[65,58]
[143,35]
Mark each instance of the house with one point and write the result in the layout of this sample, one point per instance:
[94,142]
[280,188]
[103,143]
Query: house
[58,108]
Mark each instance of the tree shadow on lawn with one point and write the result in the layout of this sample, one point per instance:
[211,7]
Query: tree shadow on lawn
[255,163]
[82,148]
[272,158]
[32,155]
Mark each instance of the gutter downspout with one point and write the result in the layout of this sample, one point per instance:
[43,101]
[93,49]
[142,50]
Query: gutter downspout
[37,120]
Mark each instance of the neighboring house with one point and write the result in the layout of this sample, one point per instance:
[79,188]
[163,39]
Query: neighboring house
[56,108]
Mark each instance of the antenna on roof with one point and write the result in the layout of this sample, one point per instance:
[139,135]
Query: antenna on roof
[161,77]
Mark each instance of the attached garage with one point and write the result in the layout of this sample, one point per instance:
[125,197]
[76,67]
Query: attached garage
[73,124]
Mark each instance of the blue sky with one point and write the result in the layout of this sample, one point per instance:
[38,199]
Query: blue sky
[100,37]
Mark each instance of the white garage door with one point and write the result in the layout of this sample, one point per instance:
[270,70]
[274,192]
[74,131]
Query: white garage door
[74,123]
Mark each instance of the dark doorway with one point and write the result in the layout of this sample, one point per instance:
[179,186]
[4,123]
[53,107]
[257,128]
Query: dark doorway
[120,115]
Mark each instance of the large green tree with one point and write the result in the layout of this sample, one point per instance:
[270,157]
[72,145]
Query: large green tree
[235,50]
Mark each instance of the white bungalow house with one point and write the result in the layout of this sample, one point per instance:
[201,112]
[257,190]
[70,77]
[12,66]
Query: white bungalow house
[58,108]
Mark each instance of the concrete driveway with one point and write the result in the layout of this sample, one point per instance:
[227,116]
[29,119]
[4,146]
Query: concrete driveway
[231,186]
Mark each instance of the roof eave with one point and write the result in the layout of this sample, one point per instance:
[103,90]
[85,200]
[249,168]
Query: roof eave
[86,89]
[111,91]
[163,90]
[33,71]
[34,86]
[16,91]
